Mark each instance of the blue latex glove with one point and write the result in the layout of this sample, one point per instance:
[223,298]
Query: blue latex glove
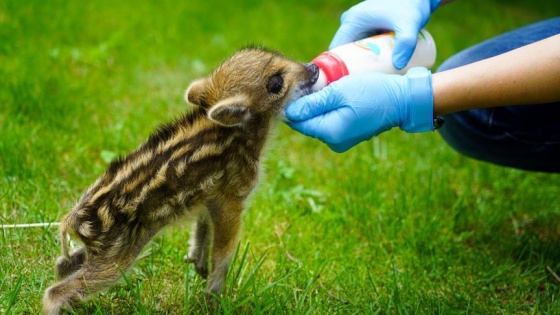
[358,107]
[405,17]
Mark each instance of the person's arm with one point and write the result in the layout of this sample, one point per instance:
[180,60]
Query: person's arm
[527,75]
[358,107]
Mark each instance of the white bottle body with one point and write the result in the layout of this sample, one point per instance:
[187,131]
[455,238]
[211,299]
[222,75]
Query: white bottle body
[374,54]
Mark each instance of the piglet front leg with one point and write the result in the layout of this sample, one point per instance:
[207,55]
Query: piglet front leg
[226,219]
[199,248]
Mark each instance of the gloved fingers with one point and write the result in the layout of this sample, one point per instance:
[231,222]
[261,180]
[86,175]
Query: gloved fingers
[345,34]
[322,126]
[311,105]
[312,129]
[345,146]
[315,130]
[306,127]
[405,43]
[333,128]
[340,148]
[355,25]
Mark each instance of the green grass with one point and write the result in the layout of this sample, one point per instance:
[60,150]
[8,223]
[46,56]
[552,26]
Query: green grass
[400,224]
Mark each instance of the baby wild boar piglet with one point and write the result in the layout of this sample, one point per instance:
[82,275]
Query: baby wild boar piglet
[204,164]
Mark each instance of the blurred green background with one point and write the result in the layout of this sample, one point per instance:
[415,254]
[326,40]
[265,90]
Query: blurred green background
[399,224]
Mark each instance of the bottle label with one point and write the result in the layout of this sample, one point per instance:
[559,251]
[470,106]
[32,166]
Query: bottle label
[376,43]
[375,53]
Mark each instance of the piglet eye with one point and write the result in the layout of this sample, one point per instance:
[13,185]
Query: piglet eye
[275,83]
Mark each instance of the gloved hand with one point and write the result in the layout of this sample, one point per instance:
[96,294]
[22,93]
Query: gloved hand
[405,17]
[358,107]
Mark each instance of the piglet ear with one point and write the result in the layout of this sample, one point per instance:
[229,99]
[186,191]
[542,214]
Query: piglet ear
[195,92]
[232,111]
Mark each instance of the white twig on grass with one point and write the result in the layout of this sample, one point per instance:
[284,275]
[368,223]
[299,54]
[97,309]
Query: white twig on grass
[28,225]
[553,273]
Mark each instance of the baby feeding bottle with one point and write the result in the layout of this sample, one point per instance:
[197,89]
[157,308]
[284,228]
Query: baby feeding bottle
[371,54]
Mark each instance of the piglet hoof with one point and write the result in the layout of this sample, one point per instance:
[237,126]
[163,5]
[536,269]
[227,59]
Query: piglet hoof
[188,259]
[212,302]
[200,267]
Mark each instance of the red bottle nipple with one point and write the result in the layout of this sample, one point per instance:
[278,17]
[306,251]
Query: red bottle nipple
[333,67]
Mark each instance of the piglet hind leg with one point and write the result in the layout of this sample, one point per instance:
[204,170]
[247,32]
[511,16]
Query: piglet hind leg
[94,275]
[68,265]
[99,270]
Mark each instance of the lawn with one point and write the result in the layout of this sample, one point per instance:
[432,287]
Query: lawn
[399,224]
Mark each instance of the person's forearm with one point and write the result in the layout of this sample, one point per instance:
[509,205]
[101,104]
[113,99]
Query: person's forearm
[527,75]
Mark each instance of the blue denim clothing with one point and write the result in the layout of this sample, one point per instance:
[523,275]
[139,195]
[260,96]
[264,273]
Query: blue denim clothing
[524,137]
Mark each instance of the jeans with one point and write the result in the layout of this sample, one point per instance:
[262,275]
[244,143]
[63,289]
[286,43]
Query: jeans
[524,137]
